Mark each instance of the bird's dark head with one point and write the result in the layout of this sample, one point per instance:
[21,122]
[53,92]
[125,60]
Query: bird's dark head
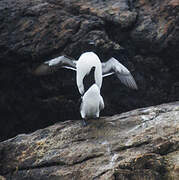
[89,79]
[91,74]
[92,69]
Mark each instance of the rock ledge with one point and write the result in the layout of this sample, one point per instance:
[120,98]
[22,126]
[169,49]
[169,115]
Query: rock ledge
[140,144]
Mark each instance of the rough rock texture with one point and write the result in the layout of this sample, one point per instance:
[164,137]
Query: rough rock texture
[142,144]
[147,32]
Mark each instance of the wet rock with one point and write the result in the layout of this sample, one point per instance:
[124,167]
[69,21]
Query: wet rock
[142,34]
[139,144]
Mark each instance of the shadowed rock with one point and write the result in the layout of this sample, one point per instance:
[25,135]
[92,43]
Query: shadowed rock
[139,145]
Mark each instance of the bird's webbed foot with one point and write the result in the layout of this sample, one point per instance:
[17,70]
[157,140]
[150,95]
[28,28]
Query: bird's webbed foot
[84,123]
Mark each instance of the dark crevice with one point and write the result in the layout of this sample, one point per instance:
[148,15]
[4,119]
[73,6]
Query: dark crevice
[45,165]
[138,144]
[50,164]
[88,158]
[167,148]
[79,140]
[99,175]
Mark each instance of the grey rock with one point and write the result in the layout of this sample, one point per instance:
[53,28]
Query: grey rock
[139,144]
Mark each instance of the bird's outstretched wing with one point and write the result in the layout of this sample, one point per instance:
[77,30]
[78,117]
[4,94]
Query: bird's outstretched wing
[113,66]
[55,64]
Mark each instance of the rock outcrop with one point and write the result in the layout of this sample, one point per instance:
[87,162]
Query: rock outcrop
[141,144]
[142,34]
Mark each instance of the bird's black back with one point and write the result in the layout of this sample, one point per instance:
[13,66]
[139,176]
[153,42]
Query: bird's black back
[89,79]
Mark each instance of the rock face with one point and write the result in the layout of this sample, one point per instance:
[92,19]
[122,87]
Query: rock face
[137,145]
[142,34]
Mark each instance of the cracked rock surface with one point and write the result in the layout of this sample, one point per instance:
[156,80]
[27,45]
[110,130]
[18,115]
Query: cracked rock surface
[137,145]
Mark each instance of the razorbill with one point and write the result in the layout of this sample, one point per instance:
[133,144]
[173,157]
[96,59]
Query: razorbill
[83,66]
[92,103]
